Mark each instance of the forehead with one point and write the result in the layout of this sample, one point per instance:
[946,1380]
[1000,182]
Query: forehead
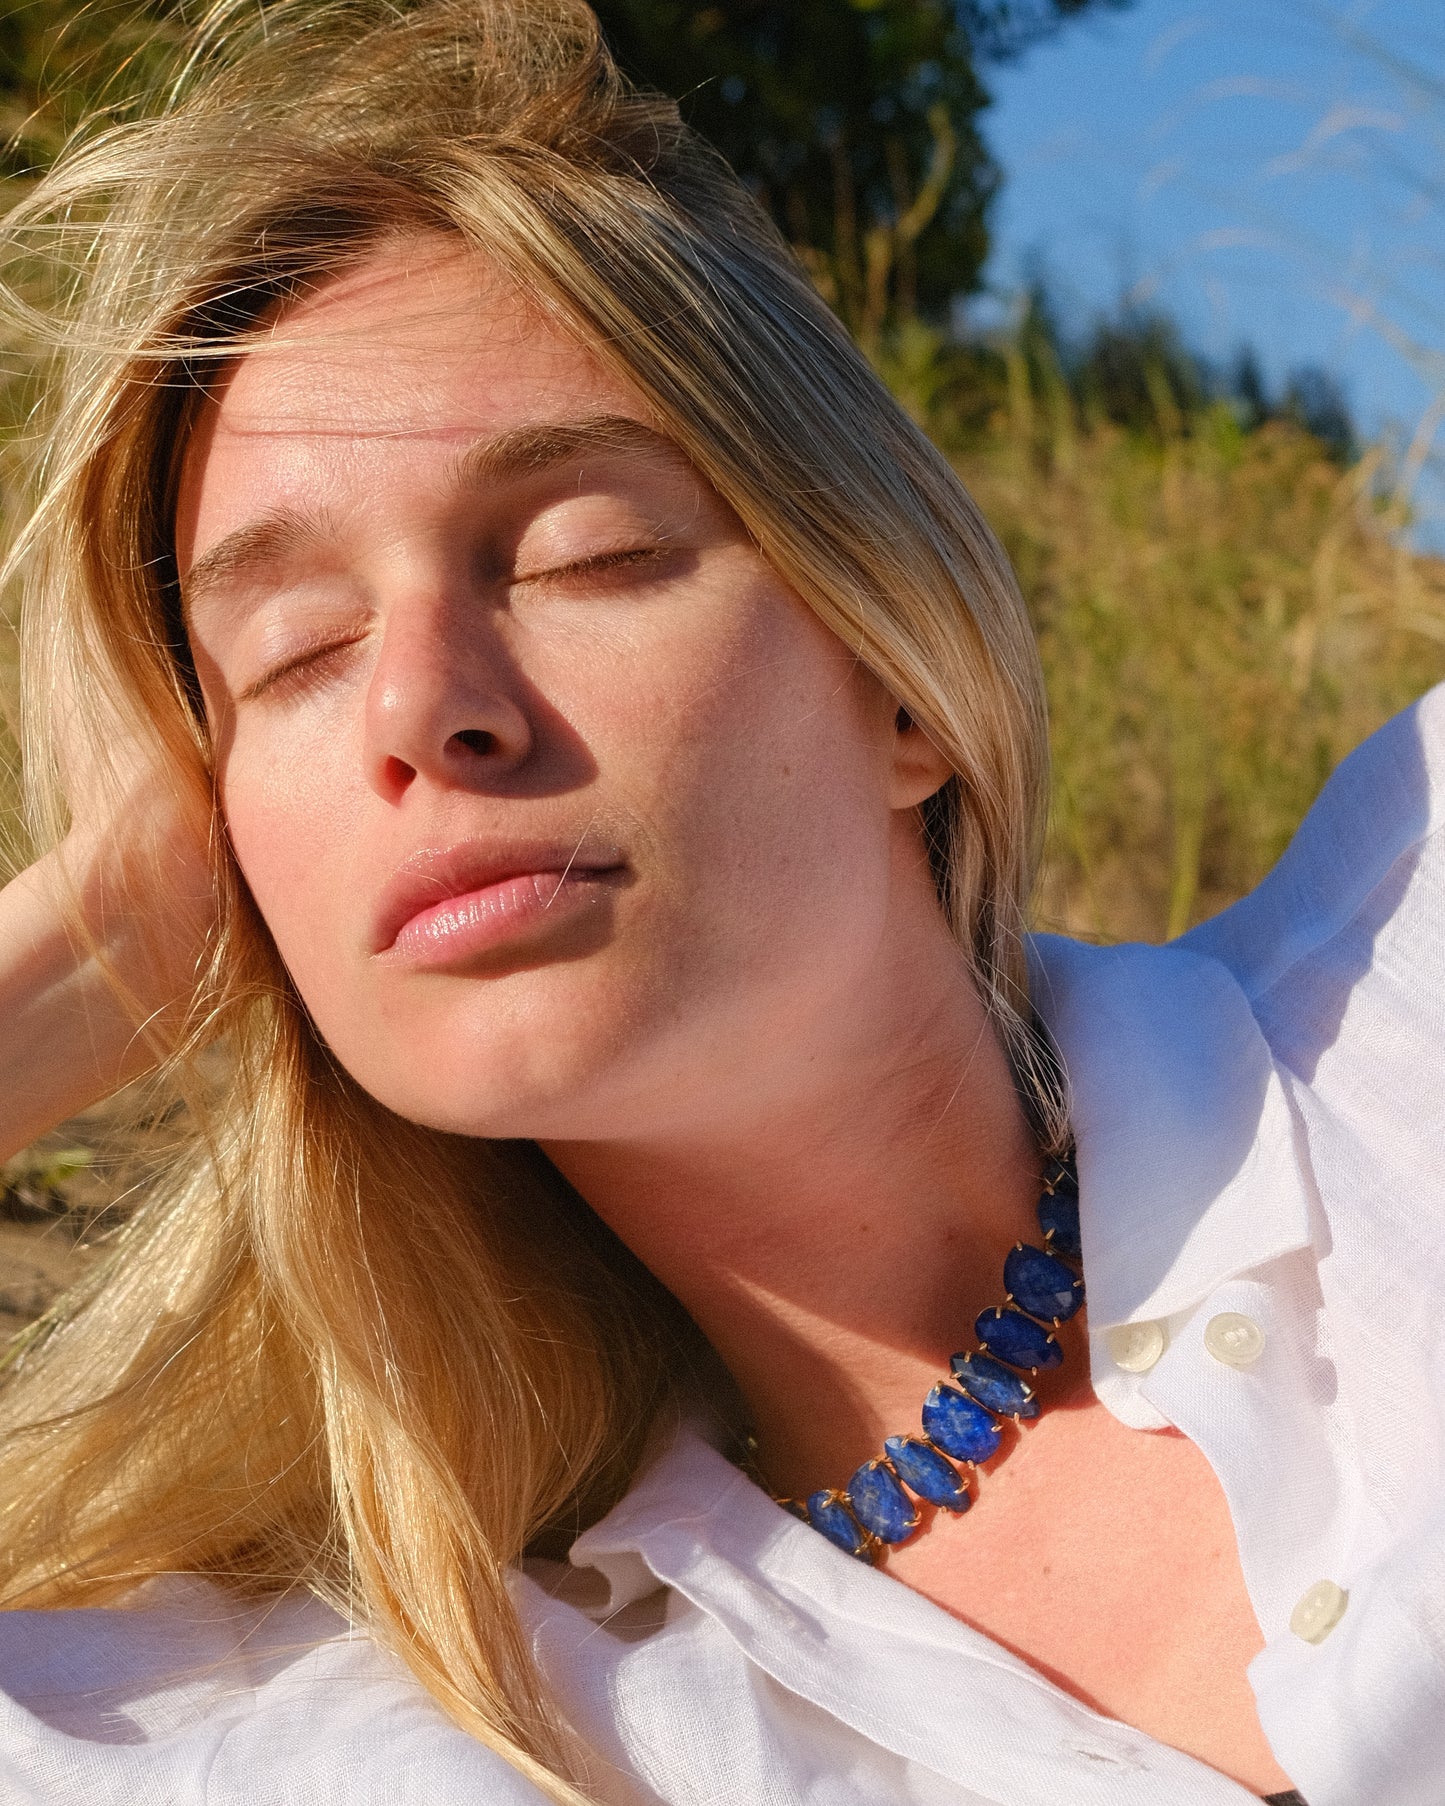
[390,369]
[452,334]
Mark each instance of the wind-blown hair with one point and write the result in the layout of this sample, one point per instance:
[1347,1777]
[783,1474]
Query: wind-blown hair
[333,1349]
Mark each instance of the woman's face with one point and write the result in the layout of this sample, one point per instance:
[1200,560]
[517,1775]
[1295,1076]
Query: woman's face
[565,814]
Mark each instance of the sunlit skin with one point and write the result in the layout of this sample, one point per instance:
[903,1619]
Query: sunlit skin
[570,821]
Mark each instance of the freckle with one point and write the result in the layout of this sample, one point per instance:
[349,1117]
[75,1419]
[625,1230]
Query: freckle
[787,771]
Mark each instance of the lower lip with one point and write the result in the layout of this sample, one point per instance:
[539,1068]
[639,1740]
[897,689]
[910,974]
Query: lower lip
[470,926]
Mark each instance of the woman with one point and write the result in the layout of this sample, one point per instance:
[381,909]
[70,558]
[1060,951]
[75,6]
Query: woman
[519,682]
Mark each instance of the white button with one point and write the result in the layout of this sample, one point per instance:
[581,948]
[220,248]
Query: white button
[1319,1611]
[1136,1346]
[1237,1341]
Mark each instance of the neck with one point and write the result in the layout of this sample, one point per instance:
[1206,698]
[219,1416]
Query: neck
[835,1242]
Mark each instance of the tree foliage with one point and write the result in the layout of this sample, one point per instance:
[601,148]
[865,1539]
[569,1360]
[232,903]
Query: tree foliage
[855,121]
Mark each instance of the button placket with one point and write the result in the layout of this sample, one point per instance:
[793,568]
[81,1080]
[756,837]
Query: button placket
[1236,1380]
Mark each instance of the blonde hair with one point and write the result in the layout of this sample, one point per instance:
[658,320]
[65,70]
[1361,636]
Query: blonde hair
[334,1349]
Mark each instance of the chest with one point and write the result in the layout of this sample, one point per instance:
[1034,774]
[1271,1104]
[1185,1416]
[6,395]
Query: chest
[1106,1558]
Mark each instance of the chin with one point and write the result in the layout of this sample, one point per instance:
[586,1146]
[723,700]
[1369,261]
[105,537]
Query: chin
[495,1112]
[584,1048]
[514,1090]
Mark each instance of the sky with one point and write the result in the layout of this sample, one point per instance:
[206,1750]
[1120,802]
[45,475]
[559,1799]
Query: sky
[1271,172]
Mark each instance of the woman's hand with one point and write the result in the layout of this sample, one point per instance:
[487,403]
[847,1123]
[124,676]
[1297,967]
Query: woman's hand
[100,940]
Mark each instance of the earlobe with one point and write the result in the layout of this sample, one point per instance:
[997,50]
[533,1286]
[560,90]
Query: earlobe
[919,768]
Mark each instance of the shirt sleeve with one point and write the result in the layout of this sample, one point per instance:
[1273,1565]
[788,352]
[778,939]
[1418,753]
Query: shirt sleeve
[197,1700]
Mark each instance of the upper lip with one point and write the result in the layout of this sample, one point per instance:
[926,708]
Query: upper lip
[437,874]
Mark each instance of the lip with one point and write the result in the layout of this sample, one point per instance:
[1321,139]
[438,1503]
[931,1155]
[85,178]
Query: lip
[449,901]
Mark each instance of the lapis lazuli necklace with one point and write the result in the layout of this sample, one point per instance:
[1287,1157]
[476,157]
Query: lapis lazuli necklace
[879,1505]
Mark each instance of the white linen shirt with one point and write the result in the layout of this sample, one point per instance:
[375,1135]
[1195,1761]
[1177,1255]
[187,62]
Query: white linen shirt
[1260,1118]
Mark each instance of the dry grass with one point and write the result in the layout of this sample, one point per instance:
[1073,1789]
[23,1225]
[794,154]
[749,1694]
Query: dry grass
[1223,616]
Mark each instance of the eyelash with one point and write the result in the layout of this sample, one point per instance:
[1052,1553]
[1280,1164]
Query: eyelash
[299,666]
[597,565]
[304,661]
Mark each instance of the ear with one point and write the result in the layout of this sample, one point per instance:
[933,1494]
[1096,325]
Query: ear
[919,768]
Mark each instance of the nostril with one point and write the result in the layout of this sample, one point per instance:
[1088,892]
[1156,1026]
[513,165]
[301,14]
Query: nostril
[396,775]
[476,740]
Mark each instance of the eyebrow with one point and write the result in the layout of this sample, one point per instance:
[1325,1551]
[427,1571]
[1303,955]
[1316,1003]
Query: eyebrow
[270,540]
[524,451]
[527,451]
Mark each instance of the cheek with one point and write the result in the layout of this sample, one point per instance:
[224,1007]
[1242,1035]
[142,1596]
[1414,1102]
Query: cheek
[291,823]
[766,785]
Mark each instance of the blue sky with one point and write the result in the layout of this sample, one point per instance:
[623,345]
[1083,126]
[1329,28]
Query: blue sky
[1271,171]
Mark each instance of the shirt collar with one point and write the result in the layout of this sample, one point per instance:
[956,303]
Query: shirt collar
[1189,1164]
[873,1655]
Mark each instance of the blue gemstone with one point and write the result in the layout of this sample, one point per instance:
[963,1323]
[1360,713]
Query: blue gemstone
[959,1426]
[1042,1284]
[880,1504]
[1059,1221]
[827,1513]
[991,1383]
[1017,1339]
[927,1472]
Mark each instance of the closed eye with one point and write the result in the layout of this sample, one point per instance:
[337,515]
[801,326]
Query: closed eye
[304,665]
[601,564]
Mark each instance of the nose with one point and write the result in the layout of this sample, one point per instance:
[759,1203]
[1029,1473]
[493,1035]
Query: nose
[445,703]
